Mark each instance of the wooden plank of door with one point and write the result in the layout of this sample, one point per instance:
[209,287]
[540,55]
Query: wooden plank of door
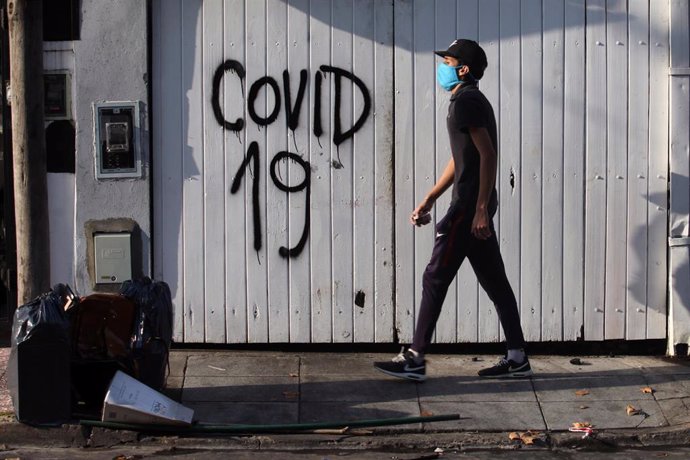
[193,171]
[617,46]
[363,172]
[214,179]
[531,178]
[405,287]
[279,232]
[638,171]
[573,171]
[595,176]
[262,105]
[384,202]
[320,146]
[232,98]
[658,180]
[552,172]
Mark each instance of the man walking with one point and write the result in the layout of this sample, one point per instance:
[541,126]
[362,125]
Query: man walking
[467,229]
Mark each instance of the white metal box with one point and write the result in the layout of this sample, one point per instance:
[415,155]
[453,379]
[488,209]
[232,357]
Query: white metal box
[113,252]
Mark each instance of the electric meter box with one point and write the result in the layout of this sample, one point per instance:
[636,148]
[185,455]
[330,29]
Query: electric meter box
[113,252]
[118,140]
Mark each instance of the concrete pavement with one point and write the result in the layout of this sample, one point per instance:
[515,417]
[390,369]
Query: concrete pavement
[267,387]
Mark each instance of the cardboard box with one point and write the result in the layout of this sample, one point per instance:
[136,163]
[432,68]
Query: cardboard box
[130,401]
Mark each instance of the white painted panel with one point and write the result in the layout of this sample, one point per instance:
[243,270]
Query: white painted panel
[298,142]
[679,216]
[552,172]
[383,94]
[468,287]
[406,287]
[263,106]
[320,234]
[573,171]
[638,154]
[279,232]
[509,183]
[238,209]
[342,170]
[616,170]
[363,164]
[192,172]
[531,174]
[657,205]
[595,176]
[214,180]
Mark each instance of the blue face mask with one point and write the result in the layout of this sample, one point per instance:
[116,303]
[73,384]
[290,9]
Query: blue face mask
[447,76]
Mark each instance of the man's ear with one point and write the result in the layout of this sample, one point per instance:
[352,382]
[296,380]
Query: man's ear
[463,70]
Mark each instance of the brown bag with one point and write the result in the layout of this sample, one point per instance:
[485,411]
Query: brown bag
[102,327]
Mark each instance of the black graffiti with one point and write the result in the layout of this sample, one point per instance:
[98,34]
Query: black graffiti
[338,135]
[292,112]
[305,184]
[253,157]
[232,66]
[254,92]
[292,115]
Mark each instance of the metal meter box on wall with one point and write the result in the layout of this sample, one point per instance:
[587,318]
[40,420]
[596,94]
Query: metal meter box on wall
[118,140]
[113,253]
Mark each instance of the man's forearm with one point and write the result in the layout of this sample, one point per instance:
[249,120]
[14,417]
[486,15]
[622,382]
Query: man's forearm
[443,182]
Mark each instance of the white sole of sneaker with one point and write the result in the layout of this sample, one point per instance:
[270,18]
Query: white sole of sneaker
[514,375]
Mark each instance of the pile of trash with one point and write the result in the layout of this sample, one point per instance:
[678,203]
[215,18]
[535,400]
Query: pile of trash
[72,357]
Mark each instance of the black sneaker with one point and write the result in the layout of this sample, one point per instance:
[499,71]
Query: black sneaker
[507,368]
[403,366]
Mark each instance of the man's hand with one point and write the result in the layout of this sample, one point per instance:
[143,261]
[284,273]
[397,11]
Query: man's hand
[422,214]
[480,225]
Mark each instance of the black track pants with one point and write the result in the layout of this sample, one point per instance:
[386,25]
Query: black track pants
[454,242]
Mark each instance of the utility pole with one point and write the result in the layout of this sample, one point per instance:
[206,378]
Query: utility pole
[25,19]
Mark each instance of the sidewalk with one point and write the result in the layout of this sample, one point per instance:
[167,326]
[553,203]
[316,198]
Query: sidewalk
[249,387]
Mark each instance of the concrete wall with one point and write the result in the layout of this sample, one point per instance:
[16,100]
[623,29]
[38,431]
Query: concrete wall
[110,65]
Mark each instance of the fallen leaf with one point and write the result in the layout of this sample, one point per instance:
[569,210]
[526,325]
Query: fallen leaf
[332,430]
[584,407]
[438,450]
[582,425]
[631,410]
[582,392]
[294,375]
[427,413]
[291,394]
[528,437]
[513,436]
[647,390]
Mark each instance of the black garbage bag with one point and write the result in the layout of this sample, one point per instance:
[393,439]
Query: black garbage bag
[153,329]
[38,371]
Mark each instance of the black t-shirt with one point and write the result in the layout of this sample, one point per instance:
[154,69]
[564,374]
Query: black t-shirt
[469,108]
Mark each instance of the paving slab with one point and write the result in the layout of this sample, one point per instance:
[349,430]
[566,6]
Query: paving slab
[668,386]
[461,365]
[342,411]
[603,414]
[241,365]
[341,364]
[177,360]
[266,413]
[465,388]
[5,399]
[334,388]
[658,364]
[488,416]
[560,366]
[607,388]
[240,389]
[676,411]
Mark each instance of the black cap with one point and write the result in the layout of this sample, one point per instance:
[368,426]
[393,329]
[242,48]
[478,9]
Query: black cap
[469,53]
